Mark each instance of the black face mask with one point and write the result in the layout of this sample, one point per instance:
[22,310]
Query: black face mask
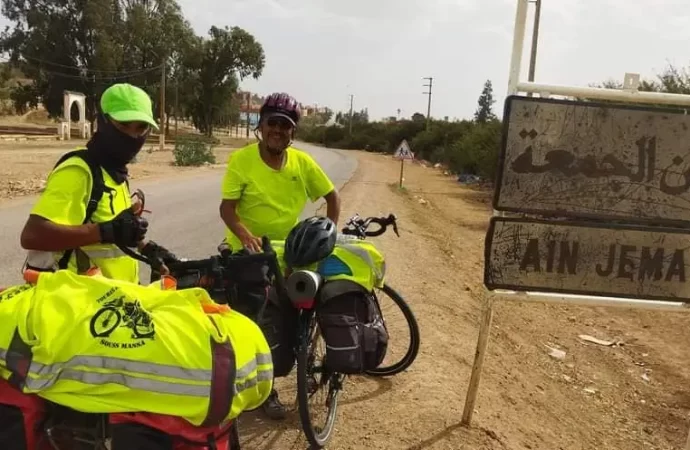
[114,149]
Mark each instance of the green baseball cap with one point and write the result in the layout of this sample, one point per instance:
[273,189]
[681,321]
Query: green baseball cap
[127,103]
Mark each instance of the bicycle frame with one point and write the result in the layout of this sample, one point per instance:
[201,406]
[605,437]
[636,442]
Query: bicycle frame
[307,323]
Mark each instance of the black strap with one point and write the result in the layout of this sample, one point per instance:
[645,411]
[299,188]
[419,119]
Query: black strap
[222,382]
[235,435]
[98,188]
[18,360]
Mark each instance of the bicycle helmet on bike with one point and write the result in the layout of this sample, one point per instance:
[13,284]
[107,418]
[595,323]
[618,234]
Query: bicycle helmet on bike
[310,241]
[282,105]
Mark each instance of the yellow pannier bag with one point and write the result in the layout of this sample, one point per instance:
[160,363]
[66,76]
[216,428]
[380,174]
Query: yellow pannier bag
[99,345]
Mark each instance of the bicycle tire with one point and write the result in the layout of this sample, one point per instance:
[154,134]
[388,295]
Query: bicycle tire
[412,351]
[148,332]
[108,331]
[317,440]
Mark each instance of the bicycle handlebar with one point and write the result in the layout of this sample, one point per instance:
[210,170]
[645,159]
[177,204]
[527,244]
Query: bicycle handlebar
[356,226]
[225,260]
[215,269]
[217,266]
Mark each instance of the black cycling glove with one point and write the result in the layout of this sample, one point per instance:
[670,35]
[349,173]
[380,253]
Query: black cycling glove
[126,229]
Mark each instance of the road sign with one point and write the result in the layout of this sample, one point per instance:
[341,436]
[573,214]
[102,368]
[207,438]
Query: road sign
[587,258]
[594,160]
[403,151]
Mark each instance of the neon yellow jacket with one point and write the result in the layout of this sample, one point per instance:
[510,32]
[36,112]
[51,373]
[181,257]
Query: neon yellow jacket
[352,259]
[111,261]
[104,346]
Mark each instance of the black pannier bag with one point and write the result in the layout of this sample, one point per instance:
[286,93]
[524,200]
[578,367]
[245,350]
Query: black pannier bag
[352,326]
[279,324]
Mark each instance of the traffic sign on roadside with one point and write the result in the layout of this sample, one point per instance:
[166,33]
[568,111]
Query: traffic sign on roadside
[403,151]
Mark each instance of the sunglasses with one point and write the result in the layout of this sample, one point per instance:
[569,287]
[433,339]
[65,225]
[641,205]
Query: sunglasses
[279,122]
[139,127]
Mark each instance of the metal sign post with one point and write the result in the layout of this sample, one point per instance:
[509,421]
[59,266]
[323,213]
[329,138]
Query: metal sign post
[402,153]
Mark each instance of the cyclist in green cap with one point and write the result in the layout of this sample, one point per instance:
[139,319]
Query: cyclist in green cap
[85,215]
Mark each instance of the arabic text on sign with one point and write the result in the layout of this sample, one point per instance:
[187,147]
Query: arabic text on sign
[644,171]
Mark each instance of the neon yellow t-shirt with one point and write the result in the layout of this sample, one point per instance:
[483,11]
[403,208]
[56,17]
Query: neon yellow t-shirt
[64,202]
[271,201]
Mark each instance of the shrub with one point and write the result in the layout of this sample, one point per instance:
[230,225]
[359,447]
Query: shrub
[476,153]
[465,146]
[193,151]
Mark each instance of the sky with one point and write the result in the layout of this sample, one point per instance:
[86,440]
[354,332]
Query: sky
[321,51]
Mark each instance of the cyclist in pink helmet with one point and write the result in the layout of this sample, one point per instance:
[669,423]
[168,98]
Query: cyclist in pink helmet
[265,189]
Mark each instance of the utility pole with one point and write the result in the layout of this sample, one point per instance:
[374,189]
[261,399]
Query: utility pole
[177,103]
[535,40]
[428,106]
[249,107]
[161,136]
[351,101]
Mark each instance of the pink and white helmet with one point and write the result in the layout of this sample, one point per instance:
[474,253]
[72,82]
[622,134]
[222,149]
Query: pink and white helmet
[283,105]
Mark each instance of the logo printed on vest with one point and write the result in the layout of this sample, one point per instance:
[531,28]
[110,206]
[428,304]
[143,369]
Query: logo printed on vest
[120,312]
[12,291]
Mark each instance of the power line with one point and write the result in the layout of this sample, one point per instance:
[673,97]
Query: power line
[116,72]
[84,75]
[97,80]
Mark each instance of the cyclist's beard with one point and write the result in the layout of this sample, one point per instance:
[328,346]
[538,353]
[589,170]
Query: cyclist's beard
[272,149]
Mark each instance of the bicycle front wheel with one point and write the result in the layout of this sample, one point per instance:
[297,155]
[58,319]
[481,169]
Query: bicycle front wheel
[397,363]
[316,388]
[105,321]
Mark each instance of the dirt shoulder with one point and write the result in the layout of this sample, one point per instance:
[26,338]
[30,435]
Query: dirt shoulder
[594,398]
[26,164]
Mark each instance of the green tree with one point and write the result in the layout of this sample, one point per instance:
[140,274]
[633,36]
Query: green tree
[358,118]
[486,100]
[671,80]
[86,46]
[326,115]
[181,80]
[226,57]
[476,152]
[418,117]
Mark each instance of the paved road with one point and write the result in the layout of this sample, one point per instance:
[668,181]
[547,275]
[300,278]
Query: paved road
[184,215]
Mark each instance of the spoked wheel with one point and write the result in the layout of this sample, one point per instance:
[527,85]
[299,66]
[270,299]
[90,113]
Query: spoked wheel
[67,429]
[317,389]
[403,331]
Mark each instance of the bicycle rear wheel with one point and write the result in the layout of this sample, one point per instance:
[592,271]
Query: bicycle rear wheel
[312,379]
[402,363]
